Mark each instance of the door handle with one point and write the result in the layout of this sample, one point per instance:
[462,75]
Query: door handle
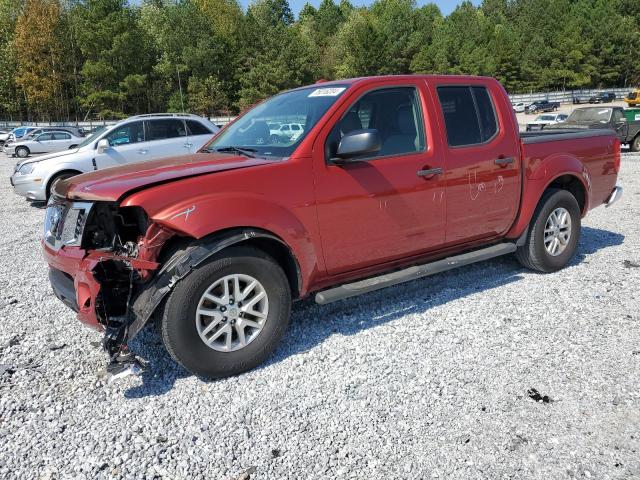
[503,162]
[142,151]
[429,173]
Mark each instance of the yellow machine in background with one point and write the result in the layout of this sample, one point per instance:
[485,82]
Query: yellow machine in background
[633,98]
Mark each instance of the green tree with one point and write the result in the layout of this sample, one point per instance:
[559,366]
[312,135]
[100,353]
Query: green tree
[9,100]
[114,47]
[38,55]
[277,55]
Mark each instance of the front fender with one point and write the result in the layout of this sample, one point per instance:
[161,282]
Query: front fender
[538,176]
[204,215]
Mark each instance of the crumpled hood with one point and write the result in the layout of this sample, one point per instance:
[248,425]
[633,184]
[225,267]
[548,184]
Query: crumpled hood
[111,184]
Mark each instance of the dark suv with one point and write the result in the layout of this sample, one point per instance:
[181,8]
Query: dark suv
[603,97]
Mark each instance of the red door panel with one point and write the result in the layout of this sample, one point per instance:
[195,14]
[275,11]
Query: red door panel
[482,178]
[378,210]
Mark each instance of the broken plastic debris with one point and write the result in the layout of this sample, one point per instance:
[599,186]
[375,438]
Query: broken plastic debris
[535,395]
[123,365]
[7,369]
[246,475]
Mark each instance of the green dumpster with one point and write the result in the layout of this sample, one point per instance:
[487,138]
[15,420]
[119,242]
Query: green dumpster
[632,114]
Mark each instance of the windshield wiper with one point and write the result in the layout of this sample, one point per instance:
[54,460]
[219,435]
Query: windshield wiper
[247,152]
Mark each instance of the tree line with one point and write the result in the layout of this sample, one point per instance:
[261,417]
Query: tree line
[80,59]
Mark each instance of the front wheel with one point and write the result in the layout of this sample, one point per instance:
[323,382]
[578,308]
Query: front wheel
[635,144]
[22,152]
[552,239]
[228,315]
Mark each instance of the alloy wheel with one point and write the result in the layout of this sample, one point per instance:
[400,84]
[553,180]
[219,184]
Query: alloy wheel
[557,231]
[232,312]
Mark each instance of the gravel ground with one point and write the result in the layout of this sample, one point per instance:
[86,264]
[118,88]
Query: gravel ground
[426,381]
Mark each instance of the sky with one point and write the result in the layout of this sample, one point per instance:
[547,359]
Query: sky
[446,6]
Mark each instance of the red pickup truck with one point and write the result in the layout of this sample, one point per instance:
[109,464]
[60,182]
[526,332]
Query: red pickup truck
[392,178]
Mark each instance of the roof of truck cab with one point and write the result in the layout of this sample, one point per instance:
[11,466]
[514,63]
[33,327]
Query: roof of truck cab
[360,80]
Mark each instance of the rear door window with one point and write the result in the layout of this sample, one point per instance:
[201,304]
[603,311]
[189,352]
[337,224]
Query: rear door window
[196,128]
[61,136]
[165,128]
[469,116]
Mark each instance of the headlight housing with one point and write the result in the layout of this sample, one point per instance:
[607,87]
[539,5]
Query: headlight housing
[26,168]
[64,223]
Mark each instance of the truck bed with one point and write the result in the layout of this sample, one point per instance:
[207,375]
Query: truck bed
[558,134]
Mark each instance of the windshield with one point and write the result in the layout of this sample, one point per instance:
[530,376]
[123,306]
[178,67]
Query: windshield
[93,136]
[276,127]
[594,115]
[545,118]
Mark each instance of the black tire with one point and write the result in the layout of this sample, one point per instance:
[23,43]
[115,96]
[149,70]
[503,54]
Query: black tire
[22,152]
[178,325]
[60,176]
[533,254]
[635,144]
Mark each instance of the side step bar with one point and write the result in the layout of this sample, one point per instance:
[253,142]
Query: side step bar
[388,279]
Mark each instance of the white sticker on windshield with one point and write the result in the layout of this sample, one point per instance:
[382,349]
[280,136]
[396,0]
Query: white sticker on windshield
[327,92]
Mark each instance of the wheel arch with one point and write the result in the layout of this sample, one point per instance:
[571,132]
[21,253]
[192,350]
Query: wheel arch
[262,239]
[557,171]
[55,175]
[183,254]
[574,185]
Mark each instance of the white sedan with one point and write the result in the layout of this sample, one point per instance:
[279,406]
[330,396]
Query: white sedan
[542,121]
[47,142]
[519,107]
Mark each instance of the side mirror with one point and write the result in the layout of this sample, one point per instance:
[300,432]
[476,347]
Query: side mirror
[357,143]
[103,146]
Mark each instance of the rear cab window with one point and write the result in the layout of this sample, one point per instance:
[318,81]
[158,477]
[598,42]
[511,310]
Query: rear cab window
[469,115]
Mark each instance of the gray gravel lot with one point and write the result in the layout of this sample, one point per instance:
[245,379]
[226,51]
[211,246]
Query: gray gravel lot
[428,380]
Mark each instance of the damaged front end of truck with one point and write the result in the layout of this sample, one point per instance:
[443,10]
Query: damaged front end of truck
[102,258]
[114,265]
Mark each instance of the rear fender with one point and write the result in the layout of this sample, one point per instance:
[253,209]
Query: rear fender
[538,177]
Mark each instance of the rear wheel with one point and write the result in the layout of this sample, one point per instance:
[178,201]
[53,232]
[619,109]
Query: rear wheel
[22,152]
[228,315]
[553,236]
[635,144]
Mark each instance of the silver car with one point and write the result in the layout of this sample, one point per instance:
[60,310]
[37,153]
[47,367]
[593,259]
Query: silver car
[45,142]
[136,139]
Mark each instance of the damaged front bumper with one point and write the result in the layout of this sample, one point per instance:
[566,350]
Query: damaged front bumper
[76,282]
